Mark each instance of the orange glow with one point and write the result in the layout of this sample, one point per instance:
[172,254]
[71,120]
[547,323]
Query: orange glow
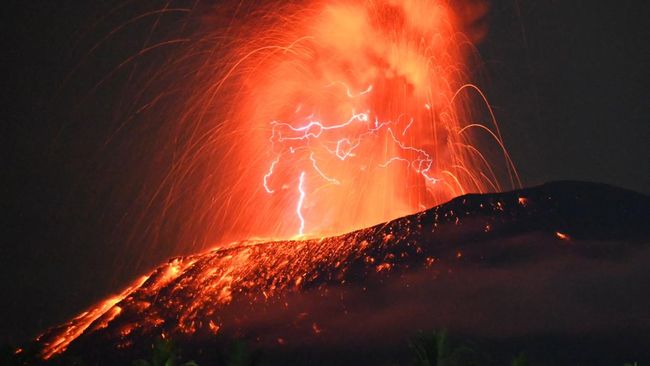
[561,235]
[213,327]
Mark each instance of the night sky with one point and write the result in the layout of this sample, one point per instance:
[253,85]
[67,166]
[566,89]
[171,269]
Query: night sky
[567,80]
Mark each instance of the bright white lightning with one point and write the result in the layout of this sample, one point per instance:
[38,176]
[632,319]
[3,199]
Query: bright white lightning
[268,175]
[320,172]
[301,200]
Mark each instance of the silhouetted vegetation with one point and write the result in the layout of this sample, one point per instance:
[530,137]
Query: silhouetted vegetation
[437,349]
[241,355]
[434,348]
[519,360]
[165,353]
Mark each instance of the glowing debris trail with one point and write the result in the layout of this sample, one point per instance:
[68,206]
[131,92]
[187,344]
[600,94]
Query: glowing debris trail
[105,311]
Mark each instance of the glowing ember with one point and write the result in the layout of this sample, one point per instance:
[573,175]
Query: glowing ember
[562,236]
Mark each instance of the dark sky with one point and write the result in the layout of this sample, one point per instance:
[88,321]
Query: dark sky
[568,81]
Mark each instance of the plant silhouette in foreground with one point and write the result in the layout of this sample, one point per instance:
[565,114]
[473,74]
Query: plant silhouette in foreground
[436,349]
[519,360]
[164,353]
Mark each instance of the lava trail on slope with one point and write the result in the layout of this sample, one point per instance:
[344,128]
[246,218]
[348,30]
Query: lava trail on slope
[284,293]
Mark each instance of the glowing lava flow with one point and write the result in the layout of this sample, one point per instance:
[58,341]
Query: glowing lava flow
[99,316]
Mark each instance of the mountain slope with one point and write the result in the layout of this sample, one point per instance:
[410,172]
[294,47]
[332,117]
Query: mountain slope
[562,261]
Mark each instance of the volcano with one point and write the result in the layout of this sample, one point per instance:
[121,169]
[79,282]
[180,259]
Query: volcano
[561,267]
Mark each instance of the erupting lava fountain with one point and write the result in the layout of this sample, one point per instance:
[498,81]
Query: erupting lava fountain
[329,116]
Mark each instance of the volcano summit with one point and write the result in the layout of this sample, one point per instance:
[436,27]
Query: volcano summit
[564,259]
